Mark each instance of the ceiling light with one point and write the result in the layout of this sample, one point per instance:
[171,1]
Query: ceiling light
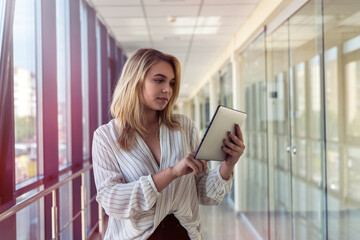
[171,19]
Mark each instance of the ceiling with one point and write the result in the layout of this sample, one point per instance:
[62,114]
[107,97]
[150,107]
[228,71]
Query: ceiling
[195,31]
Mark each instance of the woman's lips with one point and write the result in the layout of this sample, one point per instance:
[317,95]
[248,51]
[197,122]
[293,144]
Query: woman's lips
[164,100]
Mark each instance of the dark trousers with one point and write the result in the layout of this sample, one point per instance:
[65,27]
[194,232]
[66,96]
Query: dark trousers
[170,228]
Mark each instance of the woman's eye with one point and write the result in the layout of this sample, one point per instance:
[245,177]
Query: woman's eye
[172,83]
[158,80]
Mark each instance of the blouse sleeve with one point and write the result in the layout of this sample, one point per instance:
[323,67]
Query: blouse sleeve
[211,187]
[119,199]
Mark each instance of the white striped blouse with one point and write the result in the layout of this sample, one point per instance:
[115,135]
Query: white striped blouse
[126,191]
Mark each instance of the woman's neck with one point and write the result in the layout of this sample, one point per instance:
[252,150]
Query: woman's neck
[151,118]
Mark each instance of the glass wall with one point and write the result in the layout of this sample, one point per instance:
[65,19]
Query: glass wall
[302,97]
[313,66]
[342,79]
[279,133]
[252,71]
[26,78]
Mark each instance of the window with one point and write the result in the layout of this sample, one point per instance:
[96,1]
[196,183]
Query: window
[25,32]
[2,15]
[66,208]
[30,220]
[85,80]
[98,63]
[63,76]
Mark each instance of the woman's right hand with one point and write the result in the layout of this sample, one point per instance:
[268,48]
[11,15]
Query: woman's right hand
[189,164]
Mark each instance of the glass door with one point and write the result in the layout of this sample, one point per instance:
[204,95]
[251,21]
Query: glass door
[307,152]
[279,129]
[296,112]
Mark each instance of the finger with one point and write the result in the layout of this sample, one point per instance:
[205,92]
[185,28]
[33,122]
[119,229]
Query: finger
[191,164]
[205,166]
[229,151]
[239,133]
[234,138]
[232,146]
[200,165]
[192,154]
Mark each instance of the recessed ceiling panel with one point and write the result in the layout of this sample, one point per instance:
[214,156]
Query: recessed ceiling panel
[173,22]
[126,22]
[225,2]
[171,2]
[120,12]
[227,10]
[116,2]
[165,11]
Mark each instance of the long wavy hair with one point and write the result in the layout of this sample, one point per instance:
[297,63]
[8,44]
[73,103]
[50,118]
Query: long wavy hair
[126,105]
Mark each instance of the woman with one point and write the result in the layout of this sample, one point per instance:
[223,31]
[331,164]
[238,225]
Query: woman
[146,176]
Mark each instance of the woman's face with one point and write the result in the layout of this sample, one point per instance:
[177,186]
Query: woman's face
[158,86]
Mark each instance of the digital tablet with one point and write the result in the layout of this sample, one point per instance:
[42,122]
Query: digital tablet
[224,120]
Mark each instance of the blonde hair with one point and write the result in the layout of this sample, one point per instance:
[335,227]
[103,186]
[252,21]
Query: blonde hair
[126,105]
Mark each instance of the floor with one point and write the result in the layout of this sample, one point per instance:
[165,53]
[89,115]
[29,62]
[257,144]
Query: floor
[219,223]
[222,223]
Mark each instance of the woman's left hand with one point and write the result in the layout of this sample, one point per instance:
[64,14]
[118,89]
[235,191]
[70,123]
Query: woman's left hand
[234,148]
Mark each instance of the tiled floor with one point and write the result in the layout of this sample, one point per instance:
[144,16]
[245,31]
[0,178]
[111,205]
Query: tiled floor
[221,223]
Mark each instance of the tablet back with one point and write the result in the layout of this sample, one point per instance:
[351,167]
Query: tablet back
[224,120]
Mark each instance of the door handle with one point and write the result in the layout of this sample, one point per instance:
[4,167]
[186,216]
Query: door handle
[294,150]
[288,148]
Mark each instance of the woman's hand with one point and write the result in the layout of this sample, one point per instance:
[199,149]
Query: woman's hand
[189,164]
[185,166]
[234,149]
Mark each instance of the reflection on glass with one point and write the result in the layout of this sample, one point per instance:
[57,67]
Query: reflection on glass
[25,87]
[84,80]
[333,167]
[300,101]
[316,161]
[300,162]
[331,94]
[63,72]
[280,103]
[252,69]
[352,44]
[352,75]
[305,40]
[353,164]
[315,97]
